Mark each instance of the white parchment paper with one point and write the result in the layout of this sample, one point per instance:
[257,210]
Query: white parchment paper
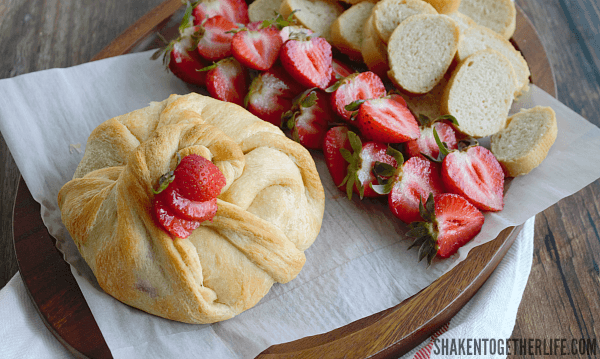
[358,265]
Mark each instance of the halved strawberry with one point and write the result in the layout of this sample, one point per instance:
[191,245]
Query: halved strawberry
[339,71]
[198,179]
[358,86]
[309,118]
[271,94]
[308,60]
[413,181]
[474,173]
[335,139]
[235,11]
[362,161]
[425,144]
[170,222]
[450,222]
[257,49]
[385,120]
[214,38]
[180,55]
[227,80]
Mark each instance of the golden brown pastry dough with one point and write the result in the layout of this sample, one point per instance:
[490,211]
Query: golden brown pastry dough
[270,210]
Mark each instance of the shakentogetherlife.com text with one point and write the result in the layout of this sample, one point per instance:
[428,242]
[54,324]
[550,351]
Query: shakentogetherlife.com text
[482,346]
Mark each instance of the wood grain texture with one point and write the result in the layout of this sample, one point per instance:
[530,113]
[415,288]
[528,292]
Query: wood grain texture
[561,298]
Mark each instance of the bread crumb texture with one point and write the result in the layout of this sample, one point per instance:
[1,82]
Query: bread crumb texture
[421,50]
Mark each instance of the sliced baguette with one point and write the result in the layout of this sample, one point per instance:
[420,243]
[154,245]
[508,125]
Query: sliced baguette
[388,14]
[347,30]
[498,15]
[463,21]
[421,50]
[316,15]
[445,7]
[479,38]
[260,10]
[374,51]
[480,93]
[526,140]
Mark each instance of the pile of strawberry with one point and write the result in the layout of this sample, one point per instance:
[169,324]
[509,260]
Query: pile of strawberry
[286,75]
[187,196]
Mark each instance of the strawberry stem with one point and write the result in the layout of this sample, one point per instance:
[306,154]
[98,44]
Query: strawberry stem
[443,148]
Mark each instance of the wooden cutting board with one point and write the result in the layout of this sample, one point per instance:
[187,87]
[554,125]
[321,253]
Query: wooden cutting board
[387,334]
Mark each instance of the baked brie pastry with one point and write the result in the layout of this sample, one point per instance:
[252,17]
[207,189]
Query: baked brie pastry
[269,211]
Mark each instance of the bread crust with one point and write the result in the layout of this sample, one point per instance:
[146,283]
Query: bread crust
[536,151]
[262,226]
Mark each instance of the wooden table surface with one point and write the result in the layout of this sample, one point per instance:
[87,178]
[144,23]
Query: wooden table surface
[561,299]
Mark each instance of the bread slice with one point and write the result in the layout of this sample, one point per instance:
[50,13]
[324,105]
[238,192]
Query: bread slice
[498,15]
[388,14]
[260,10]
[526,140]
[479,38]
[347,30]
[463,21]
[445,6]
[316,15]
[374,51]
[480,93]
[421,50]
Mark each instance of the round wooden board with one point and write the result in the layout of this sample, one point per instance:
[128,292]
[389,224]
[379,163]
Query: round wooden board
[387,334]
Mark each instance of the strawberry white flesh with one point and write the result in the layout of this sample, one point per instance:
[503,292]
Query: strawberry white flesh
[257,50]
[426,142]
[413,182]
[360,86]
[271,94]
[372,152]
[308,61]
[215,42]
[476,175]
[458,221]
[228,81]
[185,64]
[235,11]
